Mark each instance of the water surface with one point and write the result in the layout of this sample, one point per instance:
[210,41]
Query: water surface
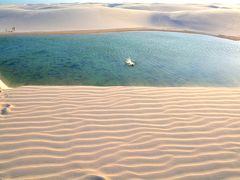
[162,59]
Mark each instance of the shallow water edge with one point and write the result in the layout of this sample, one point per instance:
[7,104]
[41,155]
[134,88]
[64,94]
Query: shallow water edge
[97,31]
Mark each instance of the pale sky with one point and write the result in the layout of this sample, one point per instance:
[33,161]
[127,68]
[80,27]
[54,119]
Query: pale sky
[120,1]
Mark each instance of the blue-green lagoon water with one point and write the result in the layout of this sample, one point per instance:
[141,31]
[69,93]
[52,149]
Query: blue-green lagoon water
[162,59]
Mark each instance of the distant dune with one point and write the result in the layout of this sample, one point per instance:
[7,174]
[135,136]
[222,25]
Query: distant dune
[210,19]
[120,133]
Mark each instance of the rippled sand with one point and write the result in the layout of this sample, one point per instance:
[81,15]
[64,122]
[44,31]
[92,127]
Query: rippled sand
[120,133]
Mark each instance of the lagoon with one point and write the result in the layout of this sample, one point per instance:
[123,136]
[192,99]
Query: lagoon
[162,59]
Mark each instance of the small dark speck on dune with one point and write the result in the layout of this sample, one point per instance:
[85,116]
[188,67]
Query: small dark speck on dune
[218,7]
[5,109]
[213,6]
[114,4]
[95,177]
[50,7]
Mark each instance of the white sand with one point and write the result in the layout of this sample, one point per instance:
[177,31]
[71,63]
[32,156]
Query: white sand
[211,19]
[121,133]
[2,85]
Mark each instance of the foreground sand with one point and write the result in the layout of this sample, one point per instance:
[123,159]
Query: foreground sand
[120,133]
[219,20]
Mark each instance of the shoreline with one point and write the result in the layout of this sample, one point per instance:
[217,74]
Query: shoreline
[98,31]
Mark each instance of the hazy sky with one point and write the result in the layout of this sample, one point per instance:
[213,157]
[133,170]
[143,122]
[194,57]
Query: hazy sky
[120,1]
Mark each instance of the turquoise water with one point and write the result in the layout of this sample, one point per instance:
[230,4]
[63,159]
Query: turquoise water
[162,59]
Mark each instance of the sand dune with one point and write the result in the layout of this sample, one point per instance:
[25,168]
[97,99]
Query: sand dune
[211,19]
[165,7]
[120,133]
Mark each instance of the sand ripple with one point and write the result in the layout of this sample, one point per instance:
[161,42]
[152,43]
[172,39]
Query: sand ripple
[120,133]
